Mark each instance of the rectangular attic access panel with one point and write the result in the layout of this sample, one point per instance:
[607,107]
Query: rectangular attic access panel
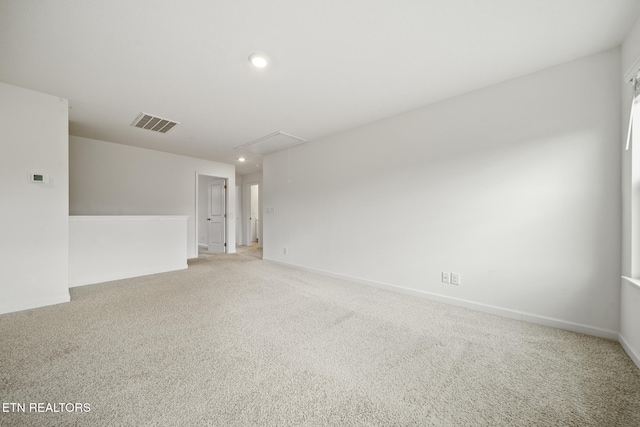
[271,143]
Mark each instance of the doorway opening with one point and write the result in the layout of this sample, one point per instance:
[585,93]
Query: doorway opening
[254,215]
[238,214]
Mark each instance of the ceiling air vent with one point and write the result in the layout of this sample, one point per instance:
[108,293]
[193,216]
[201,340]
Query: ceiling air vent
[154,123]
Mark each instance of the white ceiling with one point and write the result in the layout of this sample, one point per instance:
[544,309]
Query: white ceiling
[335,64]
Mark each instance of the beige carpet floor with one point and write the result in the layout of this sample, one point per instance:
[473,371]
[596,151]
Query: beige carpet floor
[235,341]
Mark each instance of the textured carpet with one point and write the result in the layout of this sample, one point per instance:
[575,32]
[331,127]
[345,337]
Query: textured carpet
[234,341]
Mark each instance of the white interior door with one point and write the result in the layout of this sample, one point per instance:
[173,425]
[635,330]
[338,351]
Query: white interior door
[216,218]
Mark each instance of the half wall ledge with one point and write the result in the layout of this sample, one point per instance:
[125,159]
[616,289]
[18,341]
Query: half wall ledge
[112,247]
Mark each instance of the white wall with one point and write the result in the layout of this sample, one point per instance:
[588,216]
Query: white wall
[516,187]
[34,228]
[630,293]
[115,179]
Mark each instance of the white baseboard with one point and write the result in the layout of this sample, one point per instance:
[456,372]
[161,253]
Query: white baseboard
[35,303]
[500,311]
[124,275]
[633,354]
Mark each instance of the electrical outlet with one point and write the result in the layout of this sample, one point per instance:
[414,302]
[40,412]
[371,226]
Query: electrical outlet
[455,278]
[285,251]
[446,278]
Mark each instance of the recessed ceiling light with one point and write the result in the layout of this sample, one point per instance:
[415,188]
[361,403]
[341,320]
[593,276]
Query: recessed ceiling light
[241,159]
[258,60]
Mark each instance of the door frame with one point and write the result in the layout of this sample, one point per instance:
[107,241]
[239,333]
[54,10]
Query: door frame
[221,217]
[238,217]
[226,211]
[246,214]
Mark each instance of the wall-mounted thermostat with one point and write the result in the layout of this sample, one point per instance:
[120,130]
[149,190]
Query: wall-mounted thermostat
[39,178]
